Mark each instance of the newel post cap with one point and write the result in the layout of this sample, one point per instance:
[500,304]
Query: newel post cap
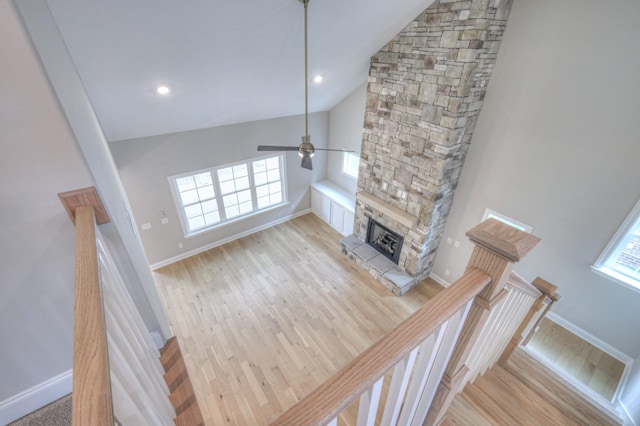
[504,240]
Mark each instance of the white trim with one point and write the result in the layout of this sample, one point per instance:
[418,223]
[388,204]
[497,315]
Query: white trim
[613,248]
[604,346]
[488,213]
[616,277]
[437,278]
[30,400]
[576,385]
[226,240]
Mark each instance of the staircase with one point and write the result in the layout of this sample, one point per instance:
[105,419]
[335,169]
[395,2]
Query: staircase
[182,396]
[523,392]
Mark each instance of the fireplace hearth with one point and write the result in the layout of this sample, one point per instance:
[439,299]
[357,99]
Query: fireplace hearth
[384,240]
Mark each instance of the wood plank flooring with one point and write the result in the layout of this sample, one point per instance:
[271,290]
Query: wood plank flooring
[593,367]
[265,319]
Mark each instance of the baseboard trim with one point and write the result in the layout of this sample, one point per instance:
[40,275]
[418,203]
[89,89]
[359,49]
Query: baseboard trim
[437,278]
[28,401]
[628,420]
[227,240]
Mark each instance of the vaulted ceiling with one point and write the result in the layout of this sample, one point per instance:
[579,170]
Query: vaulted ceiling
[225,61]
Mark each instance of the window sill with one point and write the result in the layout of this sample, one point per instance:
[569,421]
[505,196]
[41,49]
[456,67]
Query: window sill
[616,277]
[234,220]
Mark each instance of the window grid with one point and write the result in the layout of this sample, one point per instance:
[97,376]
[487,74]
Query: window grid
[620,260]
[213,197]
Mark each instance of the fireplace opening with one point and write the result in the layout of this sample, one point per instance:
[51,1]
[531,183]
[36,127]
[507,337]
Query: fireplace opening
[384,240]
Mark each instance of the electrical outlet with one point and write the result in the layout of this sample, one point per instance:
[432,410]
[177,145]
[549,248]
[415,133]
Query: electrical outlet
[165,220]
[145,226]
[449,240]
[446,273]
[456,244]
[180,245]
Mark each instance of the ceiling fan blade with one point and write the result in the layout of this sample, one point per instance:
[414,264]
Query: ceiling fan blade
[276,148]
[306,162]
[336,150]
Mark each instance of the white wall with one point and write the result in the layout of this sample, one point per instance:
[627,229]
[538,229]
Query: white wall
[39,159]
[346,121]
[146,163]
[556,147]
[630,397]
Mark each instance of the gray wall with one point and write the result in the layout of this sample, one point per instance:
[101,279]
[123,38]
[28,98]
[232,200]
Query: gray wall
[88,134]
[39,159]
[145,164]
[556,147]
[346,121]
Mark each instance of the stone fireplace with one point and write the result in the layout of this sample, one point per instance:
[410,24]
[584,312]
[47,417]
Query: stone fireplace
[425,92]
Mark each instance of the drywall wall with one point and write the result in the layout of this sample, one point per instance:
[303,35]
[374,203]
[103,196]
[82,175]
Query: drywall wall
[556,147]
[146,163]
[39,160]
[630,397]
[88,133]
[346,121]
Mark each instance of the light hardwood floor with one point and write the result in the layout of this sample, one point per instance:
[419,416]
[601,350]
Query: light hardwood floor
[593,367]
[265,319]
[522,393]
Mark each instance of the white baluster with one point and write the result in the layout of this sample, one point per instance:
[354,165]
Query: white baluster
[369,404]
[398,387]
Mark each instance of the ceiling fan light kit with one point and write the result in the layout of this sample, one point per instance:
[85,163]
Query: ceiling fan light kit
[306,150]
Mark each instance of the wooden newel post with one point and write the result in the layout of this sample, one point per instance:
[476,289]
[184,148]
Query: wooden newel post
[548,290]
[498,247]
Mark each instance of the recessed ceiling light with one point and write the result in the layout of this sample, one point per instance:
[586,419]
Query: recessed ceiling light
[163,90]
[318,79]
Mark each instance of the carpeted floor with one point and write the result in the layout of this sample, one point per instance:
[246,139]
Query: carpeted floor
[58,413]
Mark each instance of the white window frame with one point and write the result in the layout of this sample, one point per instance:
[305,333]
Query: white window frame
[219,197]
[488,214]
[615,247]
[345,162]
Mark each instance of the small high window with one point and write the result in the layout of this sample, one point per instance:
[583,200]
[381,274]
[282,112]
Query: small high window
[350,164]
[620,260]
[489,214]
[210,198]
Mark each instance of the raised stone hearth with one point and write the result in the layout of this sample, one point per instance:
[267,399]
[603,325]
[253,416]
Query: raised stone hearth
[378,265]
[426,88]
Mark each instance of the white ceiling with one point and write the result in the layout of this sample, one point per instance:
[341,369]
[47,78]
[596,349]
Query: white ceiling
[226,61]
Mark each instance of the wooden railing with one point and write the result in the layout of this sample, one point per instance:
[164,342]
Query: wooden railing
[92,401]
[428,351]
[117,373]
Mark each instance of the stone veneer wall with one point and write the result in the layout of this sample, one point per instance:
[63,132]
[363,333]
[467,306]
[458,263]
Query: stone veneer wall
[426,88]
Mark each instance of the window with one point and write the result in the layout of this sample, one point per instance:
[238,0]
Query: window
[620,260]
[213,197]
[350,164]
[489,214]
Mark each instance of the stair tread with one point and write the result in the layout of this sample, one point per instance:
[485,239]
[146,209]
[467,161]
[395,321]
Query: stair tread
[190,417]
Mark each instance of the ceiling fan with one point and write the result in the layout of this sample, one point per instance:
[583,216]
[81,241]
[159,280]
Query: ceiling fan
[306,150]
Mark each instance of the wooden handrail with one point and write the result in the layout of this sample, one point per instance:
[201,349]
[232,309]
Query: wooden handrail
[335,394]
[92,403]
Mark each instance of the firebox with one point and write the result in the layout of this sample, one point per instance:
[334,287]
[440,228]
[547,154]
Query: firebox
[384,240]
